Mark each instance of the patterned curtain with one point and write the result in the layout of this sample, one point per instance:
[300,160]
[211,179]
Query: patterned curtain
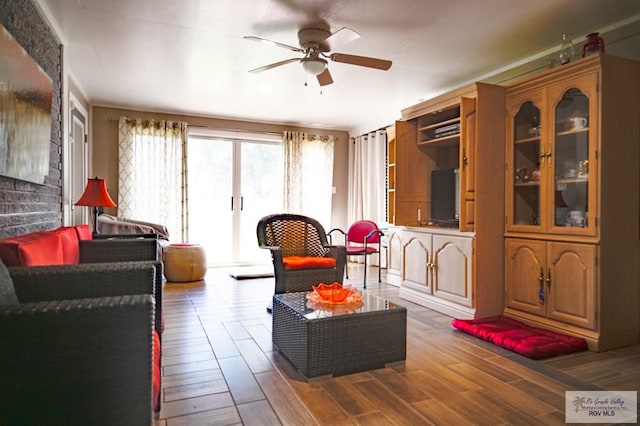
[308,175]
[152,178]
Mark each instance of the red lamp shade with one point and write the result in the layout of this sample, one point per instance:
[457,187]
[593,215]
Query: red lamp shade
[95,194]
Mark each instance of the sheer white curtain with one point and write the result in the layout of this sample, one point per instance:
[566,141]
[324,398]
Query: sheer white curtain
[152,176]
[368,173]
[367,192]
[308,175]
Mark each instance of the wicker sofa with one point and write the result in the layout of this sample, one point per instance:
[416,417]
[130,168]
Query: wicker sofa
[78,347]
[76,245]
[114,249]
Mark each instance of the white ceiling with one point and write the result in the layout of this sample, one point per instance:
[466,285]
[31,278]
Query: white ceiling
[189,57]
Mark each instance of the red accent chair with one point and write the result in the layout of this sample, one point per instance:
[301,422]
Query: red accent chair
[360,240]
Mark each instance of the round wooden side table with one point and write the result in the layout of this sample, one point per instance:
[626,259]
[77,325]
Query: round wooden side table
[184,262]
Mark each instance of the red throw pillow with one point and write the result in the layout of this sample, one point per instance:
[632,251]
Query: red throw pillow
[44,249]
[308,262]
[84,232]
[70,247]
[37,248]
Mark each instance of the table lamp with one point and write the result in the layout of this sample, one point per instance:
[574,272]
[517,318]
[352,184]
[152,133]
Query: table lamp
[95,195]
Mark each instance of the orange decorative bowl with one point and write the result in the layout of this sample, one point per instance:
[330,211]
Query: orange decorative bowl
[333,293]
[329,297]
[326,308]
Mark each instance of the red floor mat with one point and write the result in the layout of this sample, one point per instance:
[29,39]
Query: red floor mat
[532,342]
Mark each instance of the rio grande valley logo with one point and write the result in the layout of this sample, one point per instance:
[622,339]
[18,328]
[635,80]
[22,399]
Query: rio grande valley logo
[601,407]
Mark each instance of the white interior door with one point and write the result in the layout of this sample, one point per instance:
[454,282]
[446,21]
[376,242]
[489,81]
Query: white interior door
[78,158]
[233,181]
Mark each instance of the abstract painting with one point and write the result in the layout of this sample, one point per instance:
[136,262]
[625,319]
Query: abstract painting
[25,113]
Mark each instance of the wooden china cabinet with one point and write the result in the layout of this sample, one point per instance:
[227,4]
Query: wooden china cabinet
[572,213]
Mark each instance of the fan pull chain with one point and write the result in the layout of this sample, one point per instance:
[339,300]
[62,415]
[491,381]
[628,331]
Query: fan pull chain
[306,84]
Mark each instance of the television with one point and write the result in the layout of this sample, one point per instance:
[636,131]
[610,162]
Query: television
[445,197]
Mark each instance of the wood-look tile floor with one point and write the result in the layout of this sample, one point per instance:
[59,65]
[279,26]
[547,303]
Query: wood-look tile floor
[220,368]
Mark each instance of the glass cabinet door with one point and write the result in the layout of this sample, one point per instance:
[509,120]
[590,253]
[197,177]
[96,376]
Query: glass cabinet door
[551,159]
[573,158]
[524,189]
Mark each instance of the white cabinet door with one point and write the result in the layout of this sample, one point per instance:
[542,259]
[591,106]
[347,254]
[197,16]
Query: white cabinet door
[452,266]
[437,271]
[417,257]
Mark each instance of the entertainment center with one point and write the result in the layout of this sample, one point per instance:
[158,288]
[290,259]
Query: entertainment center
[449,158]
[544,230]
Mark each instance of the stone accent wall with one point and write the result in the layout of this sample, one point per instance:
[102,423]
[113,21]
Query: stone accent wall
[25,206]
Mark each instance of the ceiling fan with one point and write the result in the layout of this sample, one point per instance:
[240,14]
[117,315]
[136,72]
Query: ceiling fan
[315,46]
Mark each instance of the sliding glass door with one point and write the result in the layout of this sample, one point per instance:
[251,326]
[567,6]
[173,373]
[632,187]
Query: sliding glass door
[233,180]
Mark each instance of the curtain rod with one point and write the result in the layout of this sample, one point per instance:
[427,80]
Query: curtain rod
[380,129]
[195,126]
[236,130]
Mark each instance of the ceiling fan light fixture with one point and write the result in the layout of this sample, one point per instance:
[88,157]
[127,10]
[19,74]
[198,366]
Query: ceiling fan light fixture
[314,66]
[315,45]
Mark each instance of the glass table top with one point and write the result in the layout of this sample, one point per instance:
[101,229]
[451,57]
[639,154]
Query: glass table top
[311,310]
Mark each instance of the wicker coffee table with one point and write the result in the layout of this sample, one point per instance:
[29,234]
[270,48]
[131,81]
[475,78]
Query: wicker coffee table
[321,343]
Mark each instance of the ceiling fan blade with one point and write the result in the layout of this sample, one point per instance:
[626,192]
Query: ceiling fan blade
[324,78]
[363,61]
[275,64]
[275,43]
[342,36]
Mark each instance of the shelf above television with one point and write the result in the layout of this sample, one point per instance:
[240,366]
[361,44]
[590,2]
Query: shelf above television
[444,141]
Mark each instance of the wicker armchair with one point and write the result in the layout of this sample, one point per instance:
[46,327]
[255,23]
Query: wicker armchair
[296,235]
[119,248]
[78,347]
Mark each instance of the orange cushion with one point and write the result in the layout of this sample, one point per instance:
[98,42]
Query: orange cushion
[156,370]
[84,232]
[38,248]
[70,246]
[44,249]
[308,262]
